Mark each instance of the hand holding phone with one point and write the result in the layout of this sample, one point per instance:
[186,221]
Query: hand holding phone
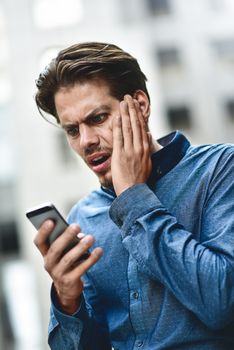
[45,211]
[65,273]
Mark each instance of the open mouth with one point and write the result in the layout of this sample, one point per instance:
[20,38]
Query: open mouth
[99,160]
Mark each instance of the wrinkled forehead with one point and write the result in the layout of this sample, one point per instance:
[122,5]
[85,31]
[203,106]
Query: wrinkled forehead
[79,100]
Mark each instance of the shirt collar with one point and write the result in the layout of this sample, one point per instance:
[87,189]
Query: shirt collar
[175,146]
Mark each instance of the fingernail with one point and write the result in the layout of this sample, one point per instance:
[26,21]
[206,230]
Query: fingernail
[98,252]
[127,96]
[88,239]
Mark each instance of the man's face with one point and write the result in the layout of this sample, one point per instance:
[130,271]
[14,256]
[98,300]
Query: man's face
[86,111]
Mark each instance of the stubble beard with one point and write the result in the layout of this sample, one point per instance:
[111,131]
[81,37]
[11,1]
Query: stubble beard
[106,180]
[107,183]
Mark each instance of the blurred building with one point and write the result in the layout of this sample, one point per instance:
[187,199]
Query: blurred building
[186,49]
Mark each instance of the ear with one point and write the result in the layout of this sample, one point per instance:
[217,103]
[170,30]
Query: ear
[144,103]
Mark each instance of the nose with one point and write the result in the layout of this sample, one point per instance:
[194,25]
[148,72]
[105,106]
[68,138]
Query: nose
[88,136]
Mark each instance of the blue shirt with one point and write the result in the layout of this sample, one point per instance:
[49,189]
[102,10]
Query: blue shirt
[166,279]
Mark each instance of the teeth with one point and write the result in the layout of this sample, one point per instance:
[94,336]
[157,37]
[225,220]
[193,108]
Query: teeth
[97,159]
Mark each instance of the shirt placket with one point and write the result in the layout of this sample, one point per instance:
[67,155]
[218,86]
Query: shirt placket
[135,305]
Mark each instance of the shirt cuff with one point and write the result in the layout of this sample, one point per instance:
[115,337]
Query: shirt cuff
[133,203]
[67,321]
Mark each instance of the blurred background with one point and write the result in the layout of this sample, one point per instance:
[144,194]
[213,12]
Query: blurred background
[185,48]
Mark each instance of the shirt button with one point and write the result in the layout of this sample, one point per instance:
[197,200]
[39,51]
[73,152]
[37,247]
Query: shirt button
[159,171]
[135,295]
[139,343]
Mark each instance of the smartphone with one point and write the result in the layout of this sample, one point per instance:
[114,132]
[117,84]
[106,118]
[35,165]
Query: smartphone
[45,211]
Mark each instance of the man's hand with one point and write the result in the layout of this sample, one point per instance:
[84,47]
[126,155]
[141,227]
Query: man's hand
[131,161]
[64,270]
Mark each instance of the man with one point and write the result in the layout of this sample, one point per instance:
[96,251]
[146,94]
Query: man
[160,228]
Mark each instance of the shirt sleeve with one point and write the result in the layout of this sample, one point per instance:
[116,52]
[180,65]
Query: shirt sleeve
[75,332]
[199,273]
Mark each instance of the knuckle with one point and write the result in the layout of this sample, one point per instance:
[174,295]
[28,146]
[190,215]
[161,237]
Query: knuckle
[72,231]
[138,151]
[137,121]
[66,260]
[128,129]
[38,240]
[47,265]
[53,250]
[131,105]
[70,235]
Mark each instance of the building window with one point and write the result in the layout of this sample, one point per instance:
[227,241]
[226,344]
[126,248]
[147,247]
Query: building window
[230,110]
[224,49]
[168,57]
[179,117]
[9,241]
[159,7]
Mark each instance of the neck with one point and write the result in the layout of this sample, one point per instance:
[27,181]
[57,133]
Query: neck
[155,146]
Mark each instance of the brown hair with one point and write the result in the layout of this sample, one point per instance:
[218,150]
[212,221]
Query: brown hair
[89,61]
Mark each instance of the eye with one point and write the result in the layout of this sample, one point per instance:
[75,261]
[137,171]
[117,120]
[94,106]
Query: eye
[72,131]
[99,118]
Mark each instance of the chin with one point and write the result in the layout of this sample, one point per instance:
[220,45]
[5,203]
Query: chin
[106,181]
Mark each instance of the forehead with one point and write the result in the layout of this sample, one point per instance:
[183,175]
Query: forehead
[84,89]
[81,99]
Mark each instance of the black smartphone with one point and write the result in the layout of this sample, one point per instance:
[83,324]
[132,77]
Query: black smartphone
[45,211]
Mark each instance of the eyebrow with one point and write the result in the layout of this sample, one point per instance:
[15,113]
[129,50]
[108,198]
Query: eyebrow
[92,114]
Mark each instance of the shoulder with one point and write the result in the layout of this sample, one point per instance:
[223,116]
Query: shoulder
[213,163]
[212,149]
[211,153]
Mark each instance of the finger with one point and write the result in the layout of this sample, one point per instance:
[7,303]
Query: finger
[76,273]
[74,255]
[61,244]
[60,257]
[81,235]
[150,140]
[85,265]
[71,267]
[135,122]
[41,239]
[117,133]
[144,128]
[67,236]
[126,125]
